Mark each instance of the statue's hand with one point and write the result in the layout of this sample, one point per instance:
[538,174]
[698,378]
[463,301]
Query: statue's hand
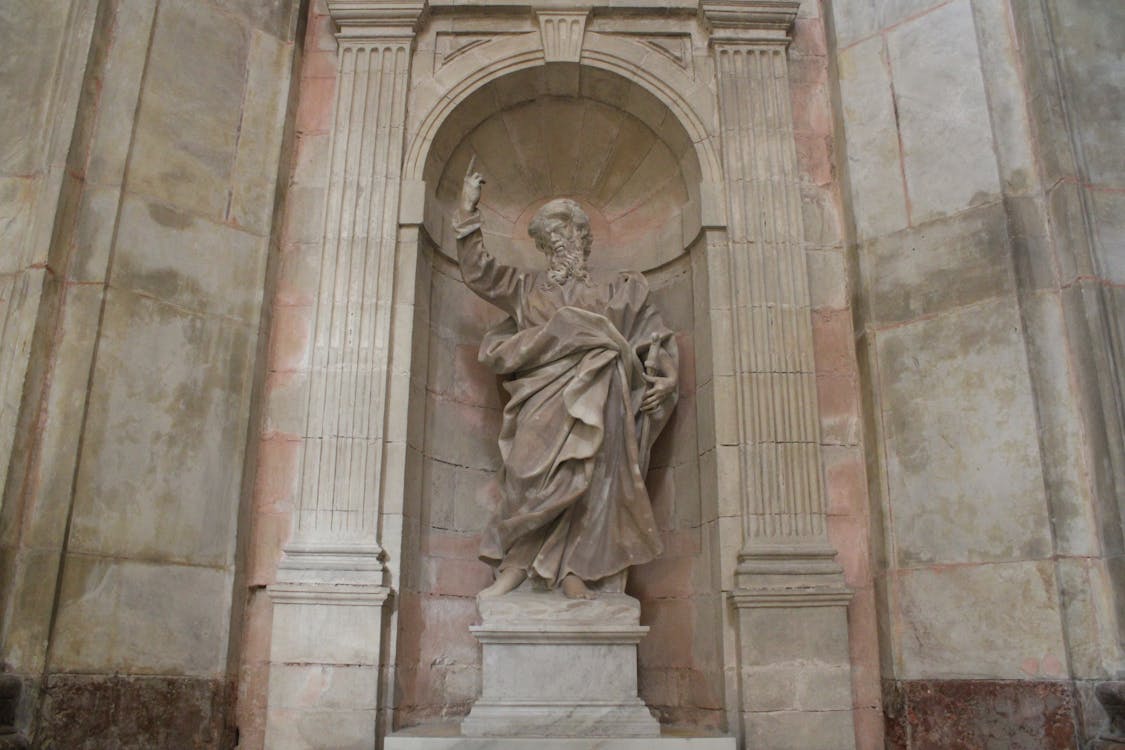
[659,388]
[470,190]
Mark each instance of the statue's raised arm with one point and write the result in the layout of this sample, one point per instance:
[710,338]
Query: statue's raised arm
[490,280]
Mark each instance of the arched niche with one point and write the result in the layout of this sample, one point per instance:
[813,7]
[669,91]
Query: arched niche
[577,132]
[602,140]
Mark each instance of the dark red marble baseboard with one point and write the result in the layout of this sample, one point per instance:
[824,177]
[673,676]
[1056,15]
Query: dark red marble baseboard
[115,711]
[975,714]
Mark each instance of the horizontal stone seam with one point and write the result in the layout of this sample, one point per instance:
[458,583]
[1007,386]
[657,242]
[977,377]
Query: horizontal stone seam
[143,560]
[202,314]
[218,677]
[347,665]
[1015,561]
[913,228]
[1088,279]
[148,199]
[461,401]
[939,313]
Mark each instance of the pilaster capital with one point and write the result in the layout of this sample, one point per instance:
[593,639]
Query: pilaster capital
[377,19]
[750,21]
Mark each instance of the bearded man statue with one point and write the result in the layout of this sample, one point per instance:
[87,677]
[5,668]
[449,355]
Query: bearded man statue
[591,372]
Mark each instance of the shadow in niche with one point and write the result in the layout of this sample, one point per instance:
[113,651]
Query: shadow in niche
[557,131]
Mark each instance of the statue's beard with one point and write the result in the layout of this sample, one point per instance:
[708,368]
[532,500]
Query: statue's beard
[568,261]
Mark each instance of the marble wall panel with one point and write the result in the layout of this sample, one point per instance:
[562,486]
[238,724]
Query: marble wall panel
[1089,46]
[106,621]
[937,266]
[191,105]
[942,112]
[874,153]
[947,633]
[192,263]
[1108,210]
[962,456]
[159,475]
[32,37]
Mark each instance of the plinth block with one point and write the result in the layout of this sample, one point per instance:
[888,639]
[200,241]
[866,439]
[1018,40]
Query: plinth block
[405,741]
[558,667]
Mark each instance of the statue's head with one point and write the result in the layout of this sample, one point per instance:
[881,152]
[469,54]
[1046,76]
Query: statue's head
[561,226]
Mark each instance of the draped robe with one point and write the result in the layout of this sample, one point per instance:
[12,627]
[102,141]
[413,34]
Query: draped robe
[573,440]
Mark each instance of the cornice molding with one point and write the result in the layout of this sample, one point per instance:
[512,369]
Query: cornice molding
[377,19]
[750,21]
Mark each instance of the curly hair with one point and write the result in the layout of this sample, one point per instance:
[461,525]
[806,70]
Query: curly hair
[560,208]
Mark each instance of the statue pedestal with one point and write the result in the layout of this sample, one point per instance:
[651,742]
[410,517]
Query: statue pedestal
[558,667]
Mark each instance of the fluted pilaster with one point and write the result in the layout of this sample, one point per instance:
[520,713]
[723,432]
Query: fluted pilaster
[783,504]
[342,464]
[786,579]
[328,601]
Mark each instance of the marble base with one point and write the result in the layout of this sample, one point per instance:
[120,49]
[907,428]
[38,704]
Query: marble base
[447,738]
[558,667]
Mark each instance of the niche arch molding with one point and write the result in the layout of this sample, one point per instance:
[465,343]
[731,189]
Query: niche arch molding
[688,99]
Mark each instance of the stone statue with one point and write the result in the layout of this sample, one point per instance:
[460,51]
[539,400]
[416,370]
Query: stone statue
[591,371]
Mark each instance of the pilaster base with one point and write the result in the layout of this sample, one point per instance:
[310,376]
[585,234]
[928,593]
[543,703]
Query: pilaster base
[793,652]
[557,667]
[324,665]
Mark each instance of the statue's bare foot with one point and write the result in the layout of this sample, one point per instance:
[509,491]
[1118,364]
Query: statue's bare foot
[575,588]
[505,582]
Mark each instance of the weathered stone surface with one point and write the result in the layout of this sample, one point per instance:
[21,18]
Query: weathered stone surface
[16,201]
[944,264]
[963,463]
[956,714]
[106,623]
[275,17]
[1074,245]
[260,131]
[800,730]
[329,687]
[187,126]
[946,633]
[942,111]
[871,128]
[1065,467]
[1007,97]
[60,432]
[1109,213]
[27,627]
[309,730]
[1085,586]
[32,36]
[1090,51]
[118,91]
[167,414]
[187,261]
[87,712]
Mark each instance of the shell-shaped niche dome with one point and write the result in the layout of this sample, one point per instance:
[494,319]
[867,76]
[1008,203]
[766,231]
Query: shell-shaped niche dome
[630,180]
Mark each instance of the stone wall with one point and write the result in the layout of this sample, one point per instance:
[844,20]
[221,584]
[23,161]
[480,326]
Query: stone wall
[961,181]
[145,242]
[983,330]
